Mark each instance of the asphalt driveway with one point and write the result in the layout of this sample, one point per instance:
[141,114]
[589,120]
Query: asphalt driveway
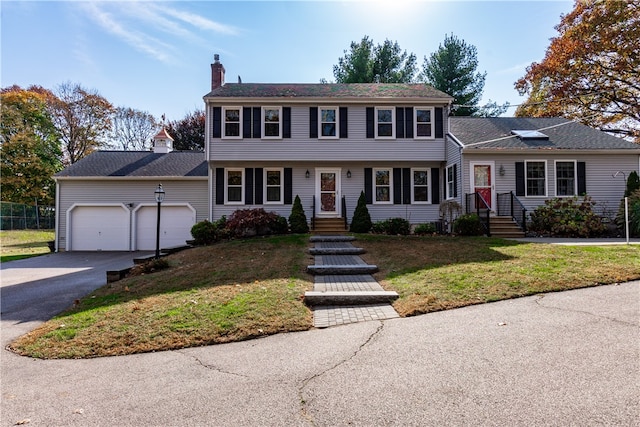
[33,290]
[566,358]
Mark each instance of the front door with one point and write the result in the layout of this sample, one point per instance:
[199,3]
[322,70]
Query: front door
[328,192]
[482,180]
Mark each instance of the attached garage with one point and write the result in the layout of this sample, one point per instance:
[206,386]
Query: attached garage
[175,226]
[99,228]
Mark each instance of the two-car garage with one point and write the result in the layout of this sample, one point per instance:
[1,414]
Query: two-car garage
[118,227]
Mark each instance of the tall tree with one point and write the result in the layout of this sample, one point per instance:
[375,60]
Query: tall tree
[366,63]
[591,70]
[132,129]
[188,132]
[29,148]
[83,120]
[452,69]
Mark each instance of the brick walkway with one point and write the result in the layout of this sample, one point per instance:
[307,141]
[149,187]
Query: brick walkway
[349,284]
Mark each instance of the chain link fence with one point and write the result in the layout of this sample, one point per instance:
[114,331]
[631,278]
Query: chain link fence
[16,216]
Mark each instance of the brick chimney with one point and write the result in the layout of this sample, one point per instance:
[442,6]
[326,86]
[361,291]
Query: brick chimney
[217,72]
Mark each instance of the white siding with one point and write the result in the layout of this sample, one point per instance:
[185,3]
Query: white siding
[302,148]
[602,187]
[130,193]
[454,157]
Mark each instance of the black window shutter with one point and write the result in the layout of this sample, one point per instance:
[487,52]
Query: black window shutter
[435,186]
[246,122]
[582,178]
[408,118]
[399,122]
[313,122]
[219,186]
[248,186]
[217,122]
[288,186]
[368,185]
[257,122]
[397,186]
[519,178]
[370,123]
[455,180]
[259,185]
[439,123]
[406,186]
[344,123]
[286,122]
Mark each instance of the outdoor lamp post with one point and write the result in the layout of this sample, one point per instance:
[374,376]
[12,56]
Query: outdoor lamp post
[159,198]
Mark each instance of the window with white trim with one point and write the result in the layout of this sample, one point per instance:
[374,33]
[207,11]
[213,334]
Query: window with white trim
[328,122]
[274,190]
[234,186]
[420,182]
[231,119]
[566,178]
[272,122]
[423,123]
[382,185]
[385,122]
[451,182]
[536,178]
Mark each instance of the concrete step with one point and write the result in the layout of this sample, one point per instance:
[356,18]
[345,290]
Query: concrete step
[331,238]
[342,269]
[315,298]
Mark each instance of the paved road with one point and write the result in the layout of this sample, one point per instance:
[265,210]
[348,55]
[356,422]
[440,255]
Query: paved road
[567,358]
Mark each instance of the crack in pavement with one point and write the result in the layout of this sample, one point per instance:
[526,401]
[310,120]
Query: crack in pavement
[210,367]
[306,381]
[540,297]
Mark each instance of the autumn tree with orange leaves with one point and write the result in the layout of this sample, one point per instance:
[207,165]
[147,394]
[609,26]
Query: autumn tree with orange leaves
[591,71]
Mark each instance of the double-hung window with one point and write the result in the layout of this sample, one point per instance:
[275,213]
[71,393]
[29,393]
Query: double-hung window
[328,122]
[451,182]
[385,122]
[420,185]
[274,189]
[272,122]
[423,123]
[566,182]
[235,186]
[536,178]
[383,185]
[232,117]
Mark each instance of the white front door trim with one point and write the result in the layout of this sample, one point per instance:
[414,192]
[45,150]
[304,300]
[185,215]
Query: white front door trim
[320,212]
[492,178]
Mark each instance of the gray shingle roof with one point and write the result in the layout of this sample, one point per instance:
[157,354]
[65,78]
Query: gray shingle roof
[138,164]
[328,90]
[563,134]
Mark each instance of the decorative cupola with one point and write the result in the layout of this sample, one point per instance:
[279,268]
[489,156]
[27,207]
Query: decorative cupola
[162,142]
[217,73]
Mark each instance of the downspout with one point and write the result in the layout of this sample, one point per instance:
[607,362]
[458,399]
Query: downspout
[57,222]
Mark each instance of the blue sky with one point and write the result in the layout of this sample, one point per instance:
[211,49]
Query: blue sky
[156,56]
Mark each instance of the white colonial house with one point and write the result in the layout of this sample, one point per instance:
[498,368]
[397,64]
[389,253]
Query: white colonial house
[327,144]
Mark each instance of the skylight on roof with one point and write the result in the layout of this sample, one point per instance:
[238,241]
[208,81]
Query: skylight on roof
[529,134]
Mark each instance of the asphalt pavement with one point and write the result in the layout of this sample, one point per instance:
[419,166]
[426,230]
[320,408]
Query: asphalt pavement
[566,358]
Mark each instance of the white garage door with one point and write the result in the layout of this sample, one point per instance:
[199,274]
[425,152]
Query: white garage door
[99,228]
[175,226]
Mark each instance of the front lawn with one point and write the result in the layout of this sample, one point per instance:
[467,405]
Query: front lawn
[250,288]
[18,244]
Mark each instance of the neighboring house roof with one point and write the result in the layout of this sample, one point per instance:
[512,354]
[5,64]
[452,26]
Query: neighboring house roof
[496,133]
[328,90]
[138,164]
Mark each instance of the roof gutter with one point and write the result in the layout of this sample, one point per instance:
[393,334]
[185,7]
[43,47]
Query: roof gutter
[323,100]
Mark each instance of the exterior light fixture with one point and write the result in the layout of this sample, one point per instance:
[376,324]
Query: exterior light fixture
[159,193]
[349,174]
[307,174]
[501,170]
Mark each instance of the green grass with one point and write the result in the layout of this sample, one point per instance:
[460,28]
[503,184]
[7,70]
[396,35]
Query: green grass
[245,289]
[18,244]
